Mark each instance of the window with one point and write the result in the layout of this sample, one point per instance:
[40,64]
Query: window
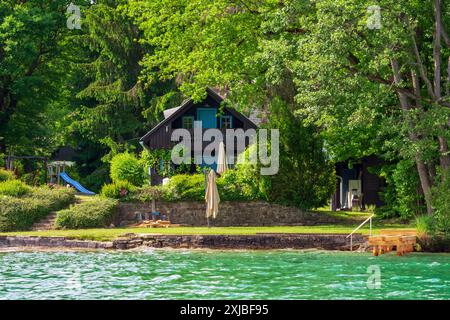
[226,122]
[188,122]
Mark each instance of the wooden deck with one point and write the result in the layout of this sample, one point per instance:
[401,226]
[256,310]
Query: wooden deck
[402,241]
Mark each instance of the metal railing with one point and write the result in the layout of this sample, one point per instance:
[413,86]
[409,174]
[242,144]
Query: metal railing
[369,219]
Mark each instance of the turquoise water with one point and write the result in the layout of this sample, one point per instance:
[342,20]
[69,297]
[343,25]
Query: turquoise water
[192,274]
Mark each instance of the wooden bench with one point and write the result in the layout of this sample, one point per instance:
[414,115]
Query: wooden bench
[390,240]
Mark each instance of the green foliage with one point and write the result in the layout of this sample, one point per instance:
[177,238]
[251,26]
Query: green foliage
[14,188]
[114,106]
[96,179]
[58,197]
[244,182]
[118,190]
[6,175]
[18,214]
[306,177]
[126,167]
[32,97]
[402,195]
[156,157]
[187,187]
[441,202]
[149,193]
[95,213]
[241,184]
[425,226]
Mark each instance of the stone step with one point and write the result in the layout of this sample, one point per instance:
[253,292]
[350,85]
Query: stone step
[47,223]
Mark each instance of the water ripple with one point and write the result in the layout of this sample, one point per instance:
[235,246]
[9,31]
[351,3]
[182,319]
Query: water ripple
[191,274]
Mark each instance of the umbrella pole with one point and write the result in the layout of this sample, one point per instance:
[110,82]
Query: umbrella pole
[207,220]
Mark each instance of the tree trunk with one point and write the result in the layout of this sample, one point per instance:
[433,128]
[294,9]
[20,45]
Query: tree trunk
[421,167]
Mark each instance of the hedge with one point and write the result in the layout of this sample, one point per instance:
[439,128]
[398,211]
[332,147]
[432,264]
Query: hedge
[118,190]
[95,213]
[14,188]
[6,175]
[59,198]
[17,214]
[187,187]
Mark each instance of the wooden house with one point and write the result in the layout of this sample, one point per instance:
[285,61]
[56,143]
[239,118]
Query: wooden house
[211,112]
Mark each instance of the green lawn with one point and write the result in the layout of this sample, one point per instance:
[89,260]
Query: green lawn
[110,234]
[351,220]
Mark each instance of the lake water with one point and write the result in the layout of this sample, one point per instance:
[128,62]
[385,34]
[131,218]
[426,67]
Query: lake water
[200,274]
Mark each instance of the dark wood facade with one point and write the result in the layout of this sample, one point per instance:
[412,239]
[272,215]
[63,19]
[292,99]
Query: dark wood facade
[357,179]
[212,106]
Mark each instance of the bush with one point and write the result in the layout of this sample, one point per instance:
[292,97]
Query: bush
[401,195]
[6,175]
[18,214]
[149,193]
[425,226]
[118,190]
[95,213]
[305,178]
[186,187]
[441,204]
[126,167]
[242,183]
[96,179]
[58,197]
[14,188]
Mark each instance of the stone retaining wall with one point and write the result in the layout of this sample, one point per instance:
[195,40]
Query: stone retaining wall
[52,242]
[251,213]
[258,241]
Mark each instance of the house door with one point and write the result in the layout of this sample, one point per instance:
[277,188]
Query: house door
[207,117]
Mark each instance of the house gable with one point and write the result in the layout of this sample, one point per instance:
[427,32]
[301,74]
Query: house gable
[159,136]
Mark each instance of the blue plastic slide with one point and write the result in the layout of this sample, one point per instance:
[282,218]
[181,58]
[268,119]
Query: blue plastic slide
[75,184]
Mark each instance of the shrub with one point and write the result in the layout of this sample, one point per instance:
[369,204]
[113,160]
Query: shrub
[96,179]
[6,175]
[425,226]
[401,195]
[18,214]
[441,204]
[242,183]
[95,213]
[126,167]
[14,188]
[118,190]
[58,197]
[186,187]
[149,193]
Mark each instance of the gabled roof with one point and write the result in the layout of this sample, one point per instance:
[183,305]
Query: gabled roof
[172,113]
[168,112]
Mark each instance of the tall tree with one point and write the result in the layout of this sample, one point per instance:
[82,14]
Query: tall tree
[395,59]
[32,39]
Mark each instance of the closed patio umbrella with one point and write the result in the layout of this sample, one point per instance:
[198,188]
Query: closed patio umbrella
[212,197]
[222,163]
